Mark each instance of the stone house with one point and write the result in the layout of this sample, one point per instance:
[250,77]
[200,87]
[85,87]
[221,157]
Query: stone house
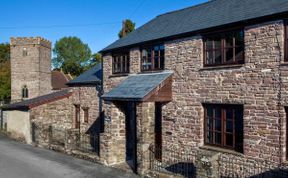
[210,80]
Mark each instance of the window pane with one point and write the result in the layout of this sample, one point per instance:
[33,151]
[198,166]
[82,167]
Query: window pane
[218,57]
[156,48]
[229,40]
[217,42]
[209,57]
[229,126]
[218,125]
[209,44]
[209,111]
[209,137]
[209,123]
[229,55]
[229,140]
[229,114]
[218,138]
[239,38]
[217,113]
[162,57]
[156,62]
[239,53]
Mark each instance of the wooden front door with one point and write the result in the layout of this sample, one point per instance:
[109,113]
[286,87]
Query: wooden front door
[131,135]
[158,131]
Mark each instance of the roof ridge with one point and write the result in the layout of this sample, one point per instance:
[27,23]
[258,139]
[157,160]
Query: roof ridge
[190,7]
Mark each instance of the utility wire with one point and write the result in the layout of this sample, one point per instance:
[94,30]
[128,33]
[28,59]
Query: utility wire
[137,8]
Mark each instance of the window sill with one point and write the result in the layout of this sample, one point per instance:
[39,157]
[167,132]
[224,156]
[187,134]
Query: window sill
[118,75]
[222,67]
[222,150]
[285,63]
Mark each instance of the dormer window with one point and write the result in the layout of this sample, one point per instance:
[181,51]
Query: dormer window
[25,93]
[152,58]
[24,52]
[120,63]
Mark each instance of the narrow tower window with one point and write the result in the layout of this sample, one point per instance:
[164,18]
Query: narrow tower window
[25,53]
[25,92]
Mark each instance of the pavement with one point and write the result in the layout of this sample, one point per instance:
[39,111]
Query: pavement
[19,160]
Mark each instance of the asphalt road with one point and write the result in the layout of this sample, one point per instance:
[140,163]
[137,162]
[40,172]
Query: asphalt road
[24,161]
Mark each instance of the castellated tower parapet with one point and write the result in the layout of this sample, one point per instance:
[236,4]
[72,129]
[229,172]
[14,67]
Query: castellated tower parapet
[30,41]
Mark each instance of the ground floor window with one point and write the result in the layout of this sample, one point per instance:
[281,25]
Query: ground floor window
[224,126]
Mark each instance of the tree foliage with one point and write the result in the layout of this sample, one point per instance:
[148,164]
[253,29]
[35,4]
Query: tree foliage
[5,72]
[71,55]
[4,52]
[128,27]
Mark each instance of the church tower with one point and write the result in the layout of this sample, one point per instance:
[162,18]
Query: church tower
[30,67]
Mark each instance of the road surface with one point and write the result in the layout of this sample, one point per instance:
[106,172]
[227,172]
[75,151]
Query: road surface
[19,160]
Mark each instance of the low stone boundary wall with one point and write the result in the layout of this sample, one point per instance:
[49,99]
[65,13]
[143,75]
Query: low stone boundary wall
[68,141]
[202,163]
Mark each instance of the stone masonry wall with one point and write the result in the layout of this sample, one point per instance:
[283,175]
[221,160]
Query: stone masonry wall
[113,139]
[87,97]
[254,84]
[57,113]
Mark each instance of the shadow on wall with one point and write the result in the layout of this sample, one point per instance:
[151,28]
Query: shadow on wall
[183,168]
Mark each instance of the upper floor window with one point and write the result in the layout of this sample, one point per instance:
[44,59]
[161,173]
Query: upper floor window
[153,58]
[286,40]
[77,116]
[224,48]
[224,126]
[25,92]
[120,63]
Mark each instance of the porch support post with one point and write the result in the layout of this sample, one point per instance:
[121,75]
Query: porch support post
[145,134]
[112,141]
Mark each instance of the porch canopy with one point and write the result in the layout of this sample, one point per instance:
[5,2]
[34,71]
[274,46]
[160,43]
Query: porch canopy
[152,87]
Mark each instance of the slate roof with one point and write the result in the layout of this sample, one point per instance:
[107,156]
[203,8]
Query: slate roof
[34,102]
[136,87]
[203,16]
[59,80]
[91,77]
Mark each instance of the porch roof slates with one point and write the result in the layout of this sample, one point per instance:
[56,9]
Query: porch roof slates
[136,87]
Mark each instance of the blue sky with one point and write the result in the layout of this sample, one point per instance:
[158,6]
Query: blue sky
[95,22]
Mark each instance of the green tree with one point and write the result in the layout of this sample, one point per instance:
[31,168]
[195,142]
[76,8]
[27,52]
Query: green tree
[128,27]
[71,55]
[5,73]
[4,52]
[96,58]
